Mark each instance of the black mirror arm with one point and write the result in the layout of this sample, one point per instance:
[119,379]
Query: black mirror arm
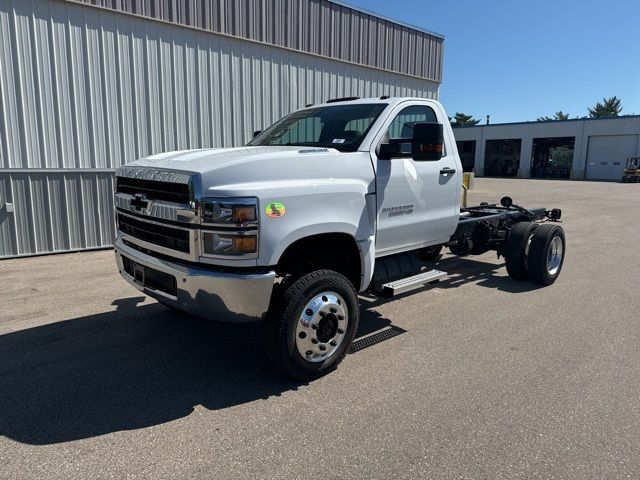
[387,150]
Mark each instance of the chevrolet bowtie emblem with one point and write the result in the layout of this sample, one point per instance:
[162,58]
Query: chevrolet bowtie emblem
[138,202]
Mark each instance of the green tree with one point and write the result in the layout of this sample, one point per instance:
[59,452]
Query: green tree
[556,116]
[460,120]
[609,107]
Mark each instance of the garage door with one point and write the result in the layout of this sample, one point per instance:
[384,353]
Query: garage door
[607,155]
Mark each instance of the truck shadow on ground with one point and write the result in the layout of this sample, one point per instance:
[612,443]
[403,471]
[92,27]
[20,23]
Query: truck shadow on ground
[137,366]
[464,270]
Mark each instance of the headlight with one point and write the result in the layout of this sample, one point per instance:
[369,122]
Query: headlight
[237,211]
[234,244]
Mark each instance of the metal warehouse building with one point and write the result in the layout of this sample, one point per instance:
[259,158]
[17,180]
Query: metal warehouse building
[89,85]
[581,149]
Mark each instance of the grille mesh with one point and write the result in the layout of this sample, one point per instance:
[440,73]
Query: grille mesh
[164,236]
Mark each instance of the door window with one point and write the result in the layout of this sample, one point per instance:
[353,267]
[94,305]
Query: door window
[402,125]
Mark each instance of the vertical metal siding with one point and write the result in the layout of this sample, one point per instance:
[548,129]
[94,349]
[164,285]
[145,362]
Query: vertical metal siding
[314,26]
[84,91]
[90,89]
[55,211]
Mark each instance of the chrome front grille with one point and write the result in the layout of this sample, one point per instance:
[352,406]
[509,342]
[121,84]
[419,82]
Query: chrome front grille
[156,209]
[159,210]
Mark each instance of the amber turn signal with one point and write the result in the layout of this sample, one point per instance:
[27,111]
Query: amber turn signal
[245,244]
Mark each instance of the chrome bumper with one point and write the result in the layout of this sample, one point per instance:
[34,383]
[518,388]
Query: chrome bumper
[214,295]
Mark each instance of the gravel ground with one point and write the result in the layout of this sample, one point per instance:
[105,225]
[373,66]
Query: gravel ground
[491,379]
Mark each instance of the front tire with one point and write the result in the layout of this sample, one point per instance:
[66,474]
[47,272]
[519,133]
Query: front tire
[312,324]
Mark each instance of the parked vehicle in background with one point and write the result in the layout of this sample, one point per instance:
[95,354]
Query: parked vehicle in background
[349,196]
[632,171]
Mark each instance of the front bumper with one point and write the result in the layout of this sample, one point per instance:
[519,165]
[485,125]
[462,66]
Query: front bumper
[214,295]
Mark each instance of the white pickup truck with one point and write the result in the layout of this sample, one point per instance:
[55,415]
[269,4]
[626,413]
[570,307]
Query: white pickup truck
[349,196]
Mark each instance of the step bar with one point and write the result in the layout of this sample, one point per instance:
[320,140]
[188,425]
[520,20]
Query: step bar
[409,283]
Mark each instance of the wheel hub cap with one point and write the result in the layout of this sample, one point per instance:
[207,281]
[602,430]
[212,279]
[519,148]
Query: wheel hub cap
[327,328]
[554,257]
[322,326]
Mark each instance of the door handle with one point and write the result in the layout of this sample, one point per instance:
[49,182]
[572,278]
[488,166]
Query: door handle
[447,171]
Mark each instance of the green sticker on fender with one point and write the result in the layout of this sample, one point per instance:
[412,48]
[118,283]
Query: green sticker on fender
[275,210]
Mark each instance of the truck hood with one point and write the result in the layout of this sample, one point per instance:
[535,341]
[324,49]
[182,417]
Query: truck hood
[206,160]
[252,170]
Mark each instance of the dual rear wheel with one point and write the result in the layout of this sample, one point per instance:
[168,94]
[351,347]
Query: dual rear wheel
[535,252]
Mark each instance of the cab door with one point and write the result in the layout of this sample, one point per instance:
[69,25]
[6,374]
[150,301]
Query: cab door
[418,202]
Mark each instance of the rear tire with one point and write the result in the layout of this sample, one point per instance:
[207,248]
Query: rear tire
[546,254]
[311,326]
[430,254]
[516,248]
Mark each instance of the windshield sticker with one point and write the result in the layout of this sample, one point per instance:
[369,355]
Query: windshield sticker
[275,210]
[338,140]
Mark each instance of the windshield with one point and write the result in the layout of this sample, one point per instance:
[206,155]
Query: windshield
[342,127]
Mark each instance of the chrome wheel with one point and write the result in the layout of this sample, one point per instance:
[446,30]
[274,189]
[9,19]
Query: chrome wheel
[321,327]
[554,257]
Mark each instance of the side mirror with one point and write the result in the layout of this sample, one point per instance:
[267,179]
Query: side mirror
[256,133]
[388,151]
[428,141]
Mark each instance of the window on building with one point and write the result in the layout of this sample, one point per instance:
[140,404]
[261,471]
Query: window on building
[552,157]
[502,157]
[467,152]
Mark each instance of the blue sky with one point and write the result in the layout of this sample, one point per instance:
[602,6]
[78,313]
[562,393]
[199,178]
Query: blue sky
[519,60]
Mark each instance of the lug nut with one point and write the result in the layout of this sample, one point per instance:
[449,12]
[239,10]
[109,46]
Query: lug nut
[324,298]
[314,326]
[302,335]
[333,309]
[322,314]
[309,312]
[340,331]
[333,343]
[340,317]
[322,347]
[308,353]
[314,340]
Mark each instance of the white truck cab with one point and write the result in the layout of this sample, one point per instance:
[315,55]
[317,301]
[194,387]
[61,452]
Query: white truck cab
[334,199]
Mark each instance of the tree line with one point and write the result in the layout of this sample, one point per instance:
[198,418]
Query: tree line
[609,107]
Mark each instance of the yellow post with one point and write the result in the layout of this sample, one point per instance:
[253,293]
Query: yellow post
[467,184]
[467,180]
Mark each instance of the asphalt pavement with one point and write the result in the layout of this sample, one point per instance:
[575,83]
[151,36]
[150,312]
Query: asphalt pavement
[478,377]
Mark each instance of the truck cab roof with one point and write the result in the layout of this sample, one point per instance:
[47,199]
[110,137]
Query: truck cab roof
[369,100]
